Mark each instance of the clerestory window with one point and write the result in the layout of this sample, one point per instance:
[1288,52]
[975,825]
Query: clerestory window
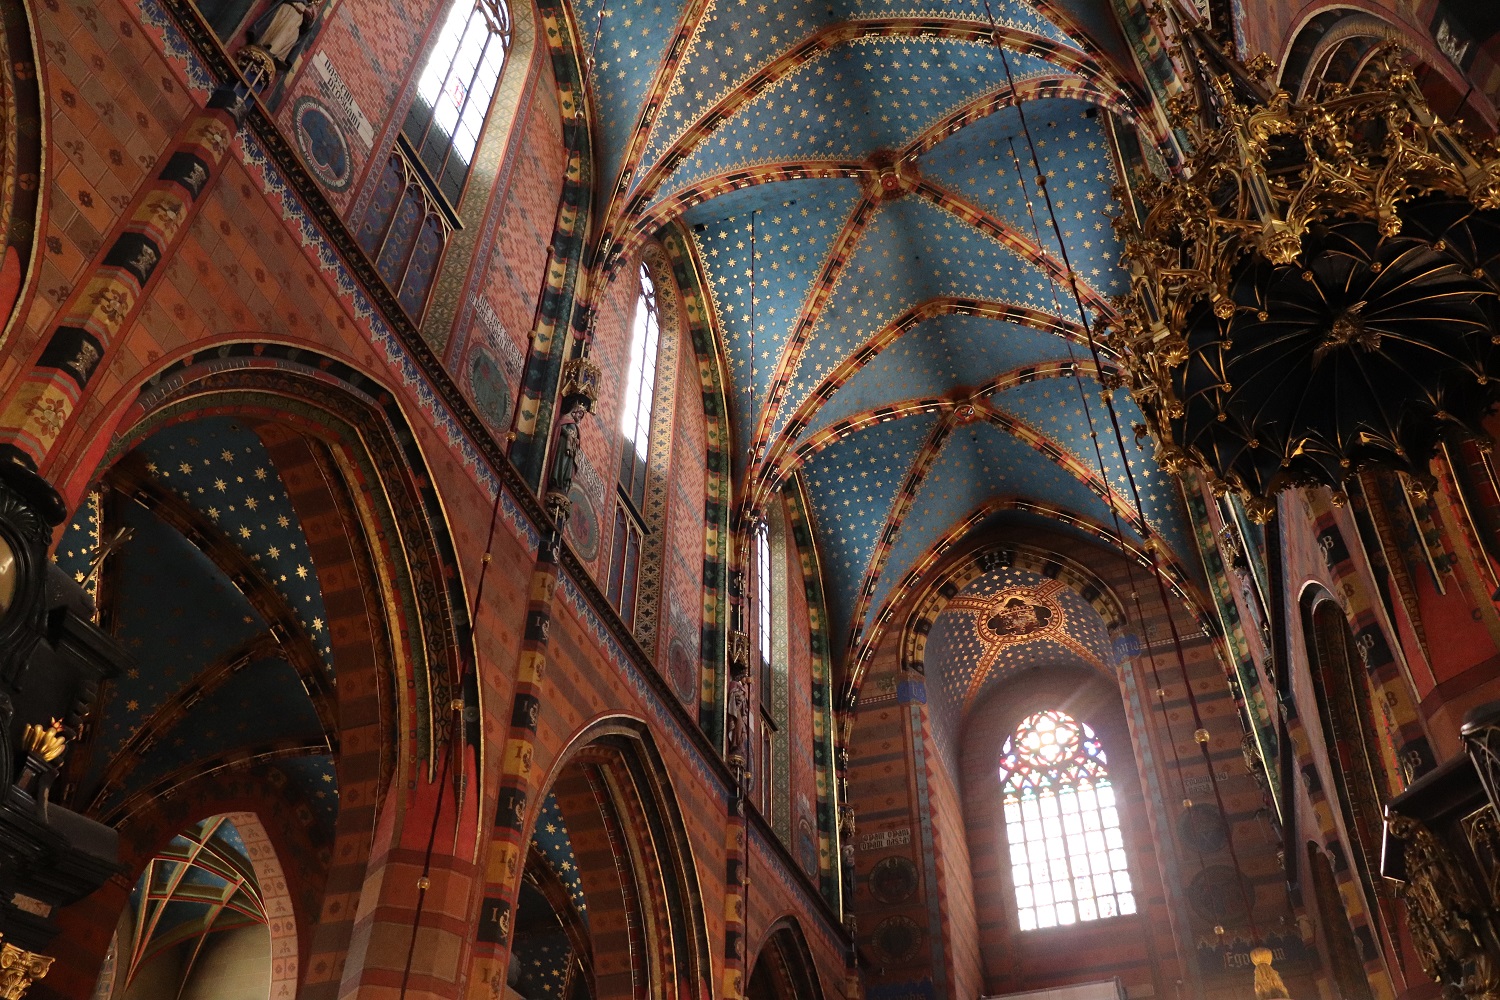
[1067,855]
[454,92]
[635,428]
[640,392]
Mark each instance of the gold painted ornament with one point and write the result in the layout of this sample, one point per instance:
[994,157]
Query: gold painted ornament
[1311,294]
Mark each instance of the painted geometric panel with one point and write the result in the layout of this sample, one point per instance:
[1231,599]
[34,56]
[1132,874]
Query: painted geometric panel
[980,165]
[912,251]
[723,52]
[794,225]
[979,463]
[869,94]
[935,357]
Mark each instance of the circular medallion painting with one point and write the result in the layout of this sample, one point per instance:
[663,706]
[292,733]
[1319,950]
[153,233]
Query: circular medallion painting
[897,938]
[807,848]
[322,144]
[1217,895]
[893,880]
[489,390]
[583,525]
[1203,828]
[681,671]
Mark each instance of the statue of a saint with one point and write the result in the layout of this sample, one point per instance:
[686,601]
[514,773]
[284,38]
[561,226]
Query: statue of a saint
[737,730]
[284,29]
[565,465]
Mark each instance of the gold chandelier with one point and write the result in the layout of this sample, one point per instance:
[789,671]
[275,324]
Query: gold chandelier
[1311,294]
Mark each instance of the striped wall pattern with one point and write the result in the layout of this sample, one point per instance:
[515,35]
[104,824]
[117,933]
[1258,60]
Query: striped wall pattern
[1246,672]
[507,848]
[1414,753]
[41,404]
[555,313]
[1355,905]
[824,778]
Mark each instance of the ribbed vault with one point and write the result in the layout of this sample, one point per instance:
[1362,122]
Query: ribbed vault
[903,328]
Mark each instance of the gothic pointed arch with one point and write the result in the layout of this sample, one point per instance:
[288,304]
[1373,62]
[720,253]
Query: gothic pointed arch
[265,536]
[610,902]
[783,968]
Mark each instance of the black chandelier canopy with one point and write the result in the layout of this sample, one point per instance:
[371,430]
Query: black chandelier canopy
[1316,292]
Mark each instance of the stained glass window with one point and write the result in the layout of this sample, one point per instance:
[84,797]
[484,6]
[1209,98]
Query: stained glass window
[1067,856]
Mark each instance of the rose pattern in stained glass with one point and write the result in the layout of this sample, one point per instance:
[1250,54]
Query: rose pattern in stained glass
[1067,854]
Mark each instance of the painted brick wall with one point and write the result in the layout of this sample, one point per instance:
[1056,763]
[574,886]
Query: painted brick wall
[679,638]
[508,281]
[114,103]
[374,46]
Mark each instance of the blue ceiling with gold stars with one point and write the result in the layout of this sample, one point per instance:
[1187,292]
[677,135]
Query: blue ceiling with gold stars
[551,838]
[906,319]
[213,675]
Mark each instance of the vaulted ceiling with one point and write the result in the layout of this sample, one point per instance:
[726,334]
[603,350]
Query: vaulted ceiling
[897,314]
[213,591]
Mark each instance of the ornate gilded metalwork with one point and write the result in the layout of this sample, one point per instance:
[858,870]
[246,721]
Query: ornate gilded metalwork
[20,968]
[46,743]
[1441,909]
[739,653]
[1310,295]
[1482,829]
[256,65]
[1481,736]
[580,383]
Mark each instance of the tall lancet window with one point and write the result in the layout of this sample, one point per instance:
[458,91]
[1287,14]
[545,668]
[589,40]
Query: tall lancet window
[1067,856]
[454,92]
[414,208]
[640,392]
[635,428]
[763,598]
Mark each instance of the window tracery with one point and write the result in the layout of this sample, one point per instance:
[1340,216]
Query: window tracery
[1067,853]
[635,428]
[414,211]
[454,92]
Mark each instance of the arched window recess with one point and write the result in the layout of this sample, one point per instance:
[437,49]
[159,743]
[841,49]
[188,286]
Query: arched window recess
[635,430]
[1067,854]
[414,211]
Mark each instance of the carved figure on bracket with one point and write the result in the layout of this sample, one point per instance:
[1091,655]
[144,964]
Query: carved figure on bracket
[565,463]
[283,30]
[737,730]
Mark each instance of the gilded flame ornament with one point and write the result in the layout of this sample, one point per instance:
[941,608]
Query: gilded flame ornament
[1312,293]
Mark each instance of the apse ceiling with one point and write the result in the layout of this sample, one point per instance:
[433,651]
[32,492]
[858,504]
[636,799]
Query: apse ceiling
[899,324]
[214,593]
[1000,624]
